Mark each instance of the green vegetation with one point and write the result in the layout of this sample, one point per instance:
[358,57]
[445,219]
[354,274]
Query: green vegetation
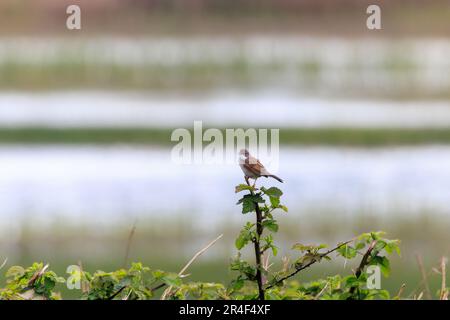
[250,280]
[288,136]
[75,67]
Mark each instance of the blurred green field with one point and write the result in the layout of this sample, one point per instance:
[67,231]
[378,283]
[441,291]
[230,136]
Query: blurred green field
[366,137]
[69,69]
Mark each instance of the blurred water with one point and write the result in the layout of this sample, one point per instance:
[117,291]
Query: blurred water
[277,109]
[103,184]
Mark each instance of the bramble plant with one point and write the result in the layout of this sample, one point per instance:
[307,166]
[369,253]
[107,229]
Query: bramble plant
[272,285]
[253,280]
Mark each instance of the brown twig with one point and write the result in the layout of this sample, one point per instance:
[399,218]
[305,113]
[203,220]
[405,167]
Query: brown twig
[444,291]
[4,263]
[37,275]
[130,238]
[424,276]
[400,291]
[159,286]
[365,259]
[84,284]
[414,292]
[362,265]
[116,293]
[297,270]
[256,242]
[258,253]
[321,291]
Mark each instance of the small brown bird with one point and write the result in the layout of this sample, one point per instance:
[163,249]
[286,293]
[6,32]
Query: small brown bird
[252,168]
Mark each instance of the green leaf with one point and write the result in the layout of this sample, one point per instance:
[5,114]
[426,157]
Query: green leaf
[248,206]
[393,245]
[171,279]
[15,271]
[237,284]
[273,192]
[347,251]
[249,202]
[311,247]
[360,245]
[383,263]
[301,247]
[243,187]
[245,236]
[271,225]
[240,242]
[274,250]
[275,202]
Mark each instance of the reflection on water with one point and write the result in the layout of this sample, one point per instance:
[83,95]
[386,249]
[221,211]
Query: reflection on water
[105,183]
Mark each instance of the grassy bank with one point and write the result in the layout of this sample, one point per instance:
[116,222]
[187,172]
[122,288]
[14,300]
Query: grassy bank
[290,136]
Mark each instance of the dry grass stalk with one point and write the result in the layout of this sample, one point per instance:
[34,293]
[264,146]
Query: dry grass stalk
[444,291]
[130,238]
[181,273]
[424,276]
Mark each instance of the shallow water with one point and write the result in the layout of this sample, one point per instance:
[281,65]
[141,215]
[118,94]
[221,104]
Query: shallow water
[223,109]
[104,184]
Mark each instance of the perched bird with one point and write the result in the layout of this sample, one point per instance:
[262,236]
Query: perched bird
[252,168]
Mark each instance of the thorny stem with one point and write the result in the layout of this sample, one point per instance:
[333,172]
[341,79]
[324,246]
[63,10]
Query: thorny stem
[297,270]
[258,252]
[362,265]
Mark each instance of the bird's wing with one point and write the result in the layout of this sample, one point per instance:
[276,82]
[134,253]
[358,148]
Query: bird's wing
[254,165]
[262,170]
[253,168]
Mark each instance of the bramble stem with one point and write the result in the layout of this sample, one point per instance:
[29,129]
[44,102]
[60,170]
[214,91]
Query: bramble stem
[258,252]
[297,270]
[259,230]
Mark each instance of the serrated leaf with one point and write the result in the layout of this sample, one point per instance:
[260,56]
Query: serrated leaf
[347,251]
[274,250]
[248,206]
[15,271]
[383,263]
[273,192]
[275,202]
[237,284]
[245,236]
[243,187]
[271,225]
[360,245]
[171,279]
[392,245]
[249,202]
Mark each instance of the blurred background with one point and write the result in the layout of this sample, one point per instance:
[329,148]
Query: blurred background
[86,118]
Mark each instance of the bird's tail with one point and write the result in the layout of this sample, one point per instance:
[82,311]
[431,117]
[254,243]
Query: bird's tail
[275,177]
